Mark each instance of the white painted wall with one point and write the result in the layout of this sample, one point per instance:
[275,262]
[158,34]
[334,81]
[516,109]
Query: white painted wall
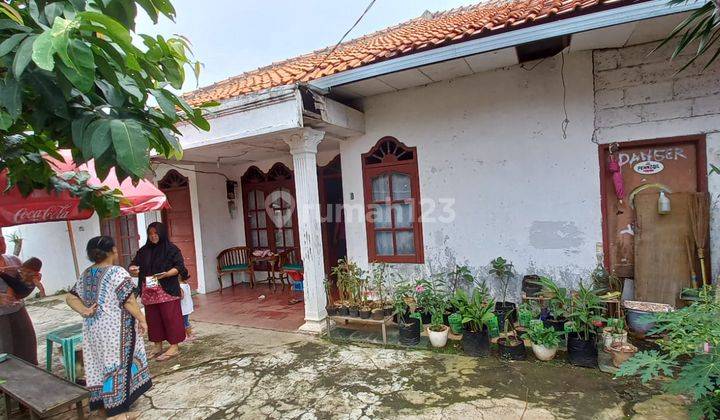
[493,143]
[51,243]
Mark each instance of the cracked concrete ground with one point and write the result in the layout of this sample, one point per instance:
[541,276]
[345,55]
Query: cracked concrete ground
[234,372]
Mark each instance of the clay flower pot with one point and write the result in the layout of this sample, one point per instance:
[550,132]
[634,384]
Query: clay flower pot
[622,352]
[438,338]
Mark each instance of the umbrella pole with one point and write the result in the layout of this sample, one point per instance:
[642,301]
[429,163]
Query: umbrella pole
[71,235]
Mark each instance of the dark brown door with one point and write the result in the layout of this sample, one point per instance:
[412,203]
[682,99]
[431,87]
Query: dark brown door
[179,219]
[333,221]
[676,165]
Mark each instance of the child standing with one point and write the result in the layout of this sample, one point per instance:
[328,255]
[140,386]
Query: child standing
[187,306]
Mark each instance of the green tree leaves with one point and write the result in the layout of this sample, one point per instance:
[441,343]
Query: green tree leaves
[23,56]
[70,77]
[130,145]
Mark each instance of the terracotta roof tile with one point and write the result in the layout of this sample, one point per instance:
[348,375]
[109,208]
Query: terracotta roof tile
[431,30]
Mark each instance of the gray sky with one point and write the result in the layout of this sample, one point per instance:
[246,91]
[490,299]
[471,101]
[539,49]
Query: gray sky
[233,36]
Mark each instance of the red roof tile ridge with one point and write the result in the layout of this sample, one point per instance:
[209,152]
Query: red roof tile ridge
[430,30]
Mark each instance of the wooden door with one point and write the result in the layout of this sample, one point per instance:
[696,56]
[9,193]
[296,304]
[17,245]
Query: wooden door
[673,165]
[178,220]
[333,220]
[662,265]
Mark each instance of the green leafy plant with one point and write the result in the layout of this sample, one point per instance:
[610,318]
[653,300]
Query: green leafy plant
[701,28]
[438,304]
[528,311]
[543,336]
[476,309]
[459,277]
[378,277]
[403,294]
[349,281]
[71,77]
[559,301]
[502,269]
[586,310]
[689,354]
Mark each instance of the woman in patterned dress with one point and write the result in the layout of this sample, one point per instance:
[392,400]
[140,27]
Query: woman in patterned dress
[113,351]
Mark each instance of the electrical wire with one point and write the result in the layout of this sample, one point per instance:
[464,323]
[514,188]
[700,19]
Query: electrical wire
[196,170]
[566,121]
[367,9]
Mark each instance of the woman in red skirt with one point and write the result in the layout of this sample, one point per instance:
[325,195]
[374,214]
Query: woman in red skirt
[158,265]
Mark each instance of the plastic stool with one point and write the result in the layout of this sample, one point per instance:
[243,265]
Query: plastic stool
[68,338]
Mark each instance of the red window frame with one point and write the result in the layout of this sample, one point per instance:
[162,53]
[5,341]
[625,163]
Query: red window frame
[278,177]
[123,229]
[390,156]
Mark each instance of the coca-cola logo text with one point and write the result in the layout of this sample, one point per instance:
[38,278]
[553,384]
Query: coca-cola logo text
[25,215]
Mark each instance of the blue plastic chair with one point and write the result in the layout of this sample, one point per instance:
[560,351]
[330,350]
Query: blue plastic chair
[68,337]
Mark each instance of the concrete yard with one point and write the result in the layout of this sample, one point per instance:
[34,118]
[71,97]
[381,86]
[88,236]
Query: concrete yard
[236,372]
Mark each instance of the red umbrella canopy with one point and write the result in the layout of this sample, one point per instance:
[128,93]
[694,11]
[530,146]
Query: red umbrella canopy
[42,206]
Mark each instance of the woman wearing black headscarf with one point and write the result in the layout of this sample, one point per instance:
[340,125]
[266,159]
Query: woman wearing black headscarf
[158,265]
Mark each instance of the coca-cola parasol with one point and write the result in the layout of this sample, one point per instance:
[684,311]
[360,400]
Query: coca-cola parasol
[42,206]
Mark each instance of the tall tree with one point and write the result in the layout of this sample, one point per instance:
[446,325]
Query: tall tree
[75,75]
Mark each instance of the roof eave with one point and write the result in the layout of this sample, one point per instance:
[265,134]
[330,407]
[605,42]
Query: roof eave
[601,19]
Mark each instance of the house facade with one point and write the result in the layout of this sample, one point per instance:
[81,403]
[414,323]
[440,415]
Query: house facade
[451,139]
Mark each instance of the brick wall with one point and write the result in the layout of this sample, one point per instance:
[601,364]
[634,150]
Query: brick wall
[639,94]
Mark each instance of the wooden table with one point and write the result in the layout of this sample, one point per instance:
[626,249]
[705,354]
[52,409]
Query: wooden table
[44,394]
[271,261]
[350,319]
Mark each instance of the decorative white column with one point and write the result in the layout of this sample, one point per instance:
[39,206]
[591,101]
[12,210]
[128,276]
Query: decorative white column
[303,147]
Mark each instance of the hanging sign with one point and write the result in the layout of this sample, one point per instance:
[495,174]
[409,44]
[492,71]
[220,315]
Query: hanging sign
[648,167]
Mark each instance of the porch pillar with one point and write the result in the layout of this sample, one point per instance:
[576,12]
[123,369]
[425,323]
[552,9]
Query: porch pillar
[303,147]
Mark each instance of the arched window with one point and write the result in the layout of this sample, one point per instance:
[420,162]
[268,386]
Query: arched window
[392,201]
[269,203]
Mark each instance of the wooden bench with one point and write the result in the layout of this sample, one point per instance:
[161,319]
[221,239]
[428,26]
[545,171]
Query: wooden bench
[43,393]
[235,260]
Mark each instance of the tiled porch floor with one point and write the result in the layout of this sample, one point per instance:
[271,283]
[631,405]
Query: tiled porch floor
[240,306]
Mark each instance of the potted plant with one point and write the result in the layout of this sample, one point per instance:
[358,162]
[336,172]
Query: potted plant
[17,242]
[528,311]
[408,326]
[586,310]
[459,278]
[331,308]
[455,323]
[511,347]
[348,275]
[614,332]
[350,281]
[437,330]
[545,340]
[423,295]
[378,283]
[503,272]
[476,311]
[559,302]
